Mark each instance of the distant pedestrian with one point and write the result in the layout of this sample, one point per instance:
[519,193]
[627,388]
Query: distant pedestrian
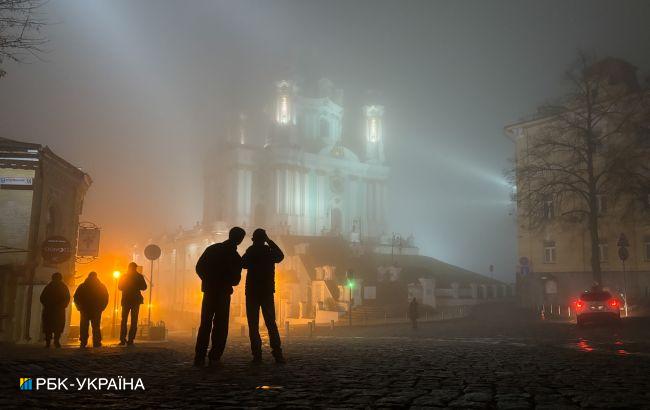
[55,298]
[131,284]
[219,268]
[414,313]
[260,260]
[91,298]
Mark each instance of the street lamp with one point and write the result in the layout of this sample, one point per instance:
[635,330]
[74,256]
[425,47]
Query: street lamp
[623,254]
[350,276]
[116,276]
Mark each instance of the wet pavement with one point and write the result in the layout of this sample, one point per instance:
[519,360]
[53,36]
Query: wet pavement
[473,363]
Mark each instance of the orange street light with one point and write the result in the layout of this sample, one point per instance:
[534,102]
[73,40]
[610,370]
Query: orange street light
[116,275]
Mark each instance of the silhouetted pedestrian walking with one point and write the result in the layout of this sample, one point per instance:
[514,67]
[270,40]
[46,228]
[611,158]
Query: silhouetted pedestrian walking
[260,260]
[91,298]
[414,313]
[131,284]
[55,298]
[219,268]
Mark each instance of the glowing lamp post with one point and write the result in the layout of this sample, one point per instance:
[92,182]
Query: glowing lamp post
[116,276]
[623,254]
[351,284]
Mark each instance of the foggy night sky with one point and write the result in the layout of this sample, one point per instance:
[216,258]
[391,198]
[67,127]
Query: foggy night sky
[134,92]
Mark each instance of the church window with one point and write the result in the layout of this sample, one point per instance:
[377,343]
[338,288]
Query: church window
[283,110]
[373,130]
[324,128]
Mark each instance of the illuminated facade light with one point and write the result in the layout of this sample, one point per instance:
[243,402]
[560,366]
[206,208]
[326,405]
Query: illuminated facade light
[372,130]
[283,110]
[284,105]
[374,133]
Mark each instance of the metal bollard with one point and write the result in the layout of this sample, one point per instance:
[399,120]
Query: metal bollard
[332,324]
[286,328]
[310,327]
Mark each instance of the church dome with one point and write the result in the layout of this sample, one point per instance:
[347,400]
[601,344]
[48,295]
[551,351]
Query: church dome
[339,151]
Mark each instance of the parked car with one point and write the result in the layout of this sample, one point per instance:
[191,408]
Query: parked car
[596,305]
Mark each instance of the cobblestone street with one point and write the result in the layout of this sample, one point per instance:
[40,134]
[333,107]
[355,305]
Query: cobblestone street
[461,364]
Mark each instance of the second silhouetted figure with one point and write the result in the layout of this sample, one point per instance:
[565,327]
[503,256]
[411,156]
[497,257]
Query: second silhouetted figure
[91,298]
[219,268]
[260,260]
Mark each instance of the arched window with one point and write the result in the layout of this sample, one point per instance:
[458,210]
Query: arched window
[324,128]
[336,221]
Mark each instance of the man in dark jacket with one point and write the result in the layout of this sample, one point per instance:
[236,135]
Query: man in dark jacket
[260,260]
[414,313]
[55,298]
[91,298]
[219,268]
[131,284]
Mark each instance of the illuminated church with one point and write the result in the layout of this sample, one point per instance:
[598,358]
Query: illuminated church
[324,204]
[303,180]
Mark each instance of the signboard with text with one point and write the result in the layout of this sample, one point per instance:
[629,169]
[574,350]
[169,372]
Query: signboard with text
[56,249]
[88,242]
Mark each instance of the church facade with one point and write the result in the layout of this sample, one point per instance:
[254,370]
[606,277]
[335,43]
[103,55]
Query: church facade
[324,204]
[303,180]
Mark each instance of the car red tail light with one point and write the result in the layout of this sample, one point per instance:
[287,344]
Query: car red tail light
[613,303]
[580,304]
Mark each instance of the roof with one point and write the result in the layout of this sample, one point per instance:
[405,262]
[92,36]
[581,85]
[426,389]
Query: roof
[336,251]
[616,70]
[27,155]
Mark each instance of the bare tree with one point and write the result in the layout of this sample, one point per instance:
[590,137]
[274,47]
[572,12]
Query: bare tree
[20,31]
[589,154]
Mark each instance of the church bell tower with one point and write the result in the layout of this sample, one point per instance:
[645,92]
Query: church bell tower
[374,134]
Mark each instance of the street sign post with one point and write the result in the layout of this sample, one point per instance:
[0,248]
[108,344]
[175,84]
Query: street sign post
[151,252]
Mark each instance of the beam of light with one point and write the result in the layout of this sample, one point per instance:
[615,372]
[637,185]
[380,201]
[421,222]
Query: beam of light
[119,36]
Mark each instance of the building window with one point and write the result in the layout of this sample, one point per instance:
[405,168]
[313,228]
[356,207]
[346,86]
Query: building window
[603,251]
[549,252]
[549,209]
[601,204]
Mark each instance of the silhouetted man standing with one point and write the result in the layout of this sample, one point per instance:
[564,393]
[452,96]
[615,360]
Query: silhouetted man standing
[219,268]
[91,298]
[131,284]
[414,313]
[55,298]
[260,260]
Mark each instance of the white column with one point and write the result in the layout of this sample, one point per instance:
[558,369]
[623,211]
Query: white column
[277,192]
[285,193]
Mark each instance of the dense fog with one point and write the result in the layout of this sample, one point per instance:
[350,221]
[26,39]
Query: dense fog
[136,94]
